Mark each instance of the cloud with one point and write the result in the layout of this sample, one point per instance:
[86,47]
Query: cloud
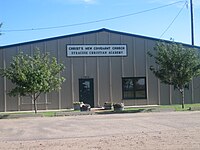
[82,1]
[65,2]
[90,1]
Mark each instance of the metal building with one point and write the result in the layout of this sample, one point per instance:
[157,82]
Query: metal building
[101,65]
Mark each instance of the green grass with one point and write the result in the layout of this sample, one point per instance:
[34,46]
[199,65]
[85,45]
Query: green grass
[179,107]
[48,113]
[18,114]
[188,107]
[54,113]
[40,113]
[126,110]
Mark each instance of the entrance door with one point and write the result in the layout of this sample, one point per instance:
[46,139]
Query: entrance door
[86,91]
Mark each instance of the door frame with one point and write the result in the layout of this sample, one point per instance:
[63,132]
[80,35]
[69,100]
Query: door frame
[91,80]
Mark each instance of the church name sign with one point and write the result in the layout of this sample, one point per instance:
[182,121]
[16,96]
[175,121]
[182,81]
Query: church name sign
[96,50]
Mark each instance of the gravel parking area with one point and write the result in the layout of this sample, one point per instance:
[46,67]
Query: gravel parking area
[161,130]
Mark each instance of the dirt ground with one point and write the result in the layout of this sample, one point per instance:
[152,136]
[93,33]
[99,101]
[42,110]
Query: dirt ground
[161,131]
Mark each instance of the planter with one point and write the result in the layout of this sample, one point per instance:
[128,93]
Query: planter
[77,105]
[118,107]
[85,107]
[108,106]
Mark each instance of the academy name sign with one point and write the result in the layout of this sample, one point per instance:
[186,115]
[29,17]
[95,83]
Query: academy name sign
[96,50]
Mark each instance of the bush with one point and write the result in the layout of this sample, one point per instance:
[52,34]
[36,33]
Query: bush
[118,105]
[85,107]
[77,103]
[108,105]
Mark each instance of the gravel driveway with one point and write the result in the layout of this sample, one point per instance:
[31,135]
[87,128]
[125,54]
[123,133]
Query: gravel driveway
[161,130]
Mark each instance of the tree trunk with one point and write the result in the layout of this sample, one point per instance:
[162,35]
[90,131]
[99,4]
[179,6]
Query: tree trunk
[35,104]
[182,97]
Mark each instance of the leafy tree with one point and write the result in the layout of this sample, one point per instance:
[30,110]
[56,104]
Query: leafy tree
[33,75]
[175,65]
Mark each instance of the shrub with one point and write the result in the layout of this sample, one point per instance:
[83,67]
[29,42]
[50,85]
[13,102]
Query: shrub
[118,105]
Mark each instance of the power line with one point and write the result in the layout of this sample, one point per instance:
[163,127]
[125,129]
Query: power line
[185,4]
[91,22]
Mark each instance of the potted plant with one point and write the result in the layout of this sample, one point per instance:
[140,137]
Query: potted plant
[85,107]
[118,106]
[108,105]
[77,105]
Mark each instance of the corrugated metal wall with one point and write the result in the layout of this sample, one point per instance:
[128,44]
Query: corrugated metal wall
[107,73]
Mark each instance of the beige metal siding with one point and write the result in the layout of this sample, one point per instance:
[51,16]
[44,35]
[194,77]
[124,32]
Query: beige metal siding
[115,68]
[39,45]
[196,90]
[66,89]
[116,79]
[188,94]
[176,97]
[1,83]
[104,74]
[153,89]
[128,62]
[11,102]
[107,73]
[104,80]
[164,94]
[140,57]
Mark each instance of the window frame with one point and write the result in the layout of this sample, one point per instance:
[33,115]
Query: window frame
[134,80]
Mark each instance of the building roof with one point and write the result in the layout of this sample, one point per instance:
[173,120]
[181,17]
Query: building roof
[89,32]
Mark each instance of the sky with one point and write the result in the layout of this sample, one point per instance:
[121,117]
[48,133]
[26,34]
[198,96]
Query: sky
[67,14]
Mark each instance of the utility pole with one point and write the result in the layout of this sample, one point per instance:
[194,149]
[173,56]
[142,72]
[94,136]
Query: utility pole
[192,22]
[192,38]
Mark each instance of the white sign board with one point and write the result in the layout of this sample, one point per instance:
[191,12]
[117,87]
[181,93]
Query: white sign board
[96,50]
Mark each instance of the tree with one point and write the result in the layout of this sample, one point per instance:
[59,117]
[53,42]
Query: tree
[33,75]
[175,65]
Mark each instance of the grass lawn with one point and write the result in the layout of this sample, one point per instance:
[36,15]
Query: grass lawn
[179,107]
[48,113]
[28,113]
[188,107]
[126,110]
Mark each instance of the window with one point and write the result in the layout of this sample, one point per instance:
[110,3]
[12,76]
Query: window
[134,88]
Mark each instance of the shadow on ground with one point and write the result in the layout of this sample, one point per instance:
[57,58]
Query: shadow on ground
[120,112]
